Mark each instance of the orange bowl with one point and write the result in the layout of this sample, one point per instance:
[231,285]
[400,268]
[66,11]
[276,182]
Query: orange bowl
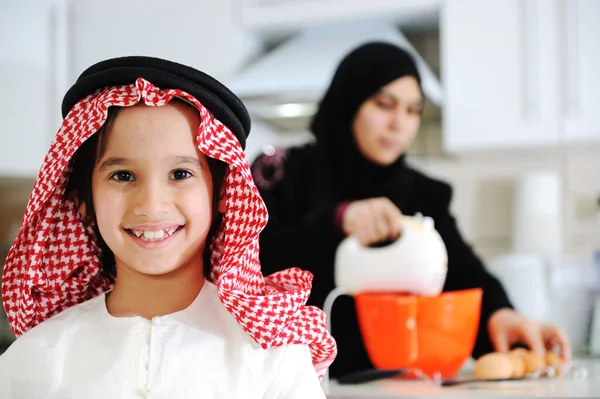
[434,334]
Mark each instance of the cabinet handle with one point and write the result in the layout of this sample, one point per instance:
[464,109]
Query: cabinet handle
[570,57]
[530,32]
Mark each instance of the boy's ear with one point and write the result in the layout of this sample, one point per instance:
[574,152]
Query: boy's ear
[222,206]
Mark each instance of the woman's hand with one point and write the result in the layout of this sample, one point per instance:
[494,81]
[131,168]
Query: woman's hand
[372,220]
[507,327]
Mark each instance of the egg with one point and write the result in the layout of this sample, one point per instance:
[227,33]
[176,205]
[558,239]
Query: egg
[554,360]
[518,364]
[533,362]
[494,365]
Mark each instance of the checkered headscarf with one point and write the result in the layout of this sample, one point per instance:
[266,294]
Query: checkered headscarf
[54,262]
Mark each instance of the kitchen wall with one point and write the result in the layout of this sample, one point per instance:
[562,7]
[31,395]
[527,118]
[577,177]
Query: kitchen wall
[484,186]
[14,194]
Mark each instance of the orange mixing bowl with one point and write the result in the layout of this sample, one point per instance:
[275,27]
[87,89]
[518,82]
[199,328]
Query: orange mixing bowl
[434,334]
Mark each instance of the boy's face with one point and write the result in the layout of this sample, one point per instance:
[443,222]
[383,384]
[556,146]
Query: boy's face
[152,190]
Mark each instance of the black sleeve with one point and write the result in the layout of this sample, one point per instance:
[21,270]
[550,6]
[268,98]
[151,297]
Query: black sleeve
[295,236]
[466,270]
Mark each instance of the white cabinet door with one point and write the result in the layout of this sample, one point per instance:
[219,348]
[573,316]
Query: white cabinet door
[31,39]
[288,16]
[499,73]
[580,34]
[202,33]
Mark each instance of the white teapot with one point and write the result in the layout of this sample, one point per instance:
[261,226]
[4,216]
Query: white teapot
[417,262]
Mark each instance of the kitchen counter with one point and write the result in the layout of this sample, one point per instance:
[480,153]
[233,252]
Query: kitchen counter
[567,386]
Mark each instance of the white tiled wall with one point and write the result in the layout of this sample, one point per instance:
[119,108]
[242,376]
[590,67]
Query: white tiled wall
[484,187]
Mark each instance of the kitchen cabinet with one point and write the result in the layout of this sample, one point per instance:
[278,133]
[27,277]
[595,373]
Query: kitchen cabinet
[520,73]
[46,44]
[205,34]
[32,54]
[580,63]
[499,72]
[276,16]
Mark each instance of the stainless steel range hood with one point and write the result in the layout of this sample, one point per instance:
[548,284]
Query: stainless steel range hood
[283,86]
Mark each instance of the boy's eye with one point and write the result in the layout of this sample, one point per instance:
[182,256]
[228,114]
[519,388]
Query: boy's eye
[180,174]
[122,176]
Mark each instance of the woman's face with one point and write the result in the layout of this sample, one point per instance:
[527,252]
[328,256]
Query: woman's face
[387,123]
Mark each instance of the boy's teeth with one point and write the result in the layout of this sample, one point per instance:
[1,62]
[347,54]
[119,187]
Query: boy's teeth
[147,235]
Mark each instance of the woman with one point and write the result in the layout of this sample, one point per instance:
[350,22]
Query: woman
[355,181]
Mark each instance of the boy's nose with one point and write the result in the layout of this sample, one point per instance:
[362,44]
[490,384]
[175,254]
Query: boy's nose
[152,199]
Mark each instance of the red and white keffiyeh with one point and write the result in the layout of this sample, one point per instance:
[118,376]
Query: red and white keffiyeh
[54,264]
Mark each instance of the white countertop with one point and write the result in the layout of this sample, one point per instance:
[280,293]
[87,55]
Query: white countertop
[567,386]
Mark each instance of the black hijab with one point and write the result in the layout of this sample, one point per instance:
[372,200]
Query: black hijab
[342,172]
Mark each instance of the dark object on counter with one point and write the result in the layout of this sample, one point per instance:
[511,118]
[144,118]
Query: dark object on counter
[454,382]
[370,375]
